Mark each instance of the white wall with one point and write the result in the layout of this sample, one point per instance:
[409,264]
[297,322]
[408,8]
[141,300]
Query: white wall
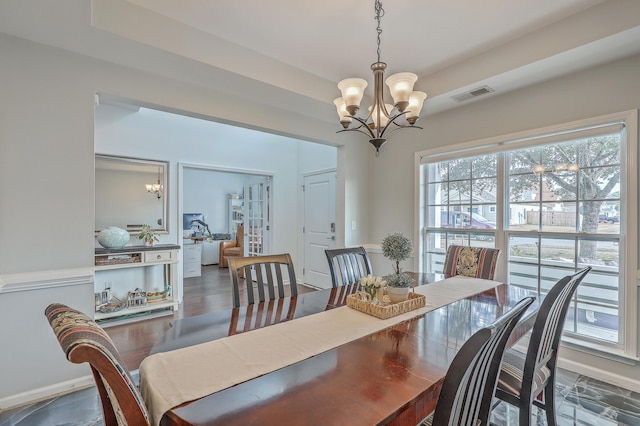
[598,91]
[47,187]
[207,192]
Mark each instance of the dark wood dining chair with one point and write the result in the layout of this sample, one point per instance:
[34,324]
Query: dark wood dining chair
[467,390]
[83,340]
[476,262]
[259,315]
[527,379]
[348,265]
[268,273]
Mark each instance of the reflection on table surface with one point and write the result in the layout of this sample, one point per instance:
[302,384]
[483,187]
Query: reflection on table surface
[215,325]
[392,375]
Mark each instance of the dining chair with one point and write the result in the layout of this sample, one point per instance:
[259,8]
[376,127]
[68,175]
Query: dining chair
[476,262]
[267,271]
[348,265]
[527,379]
[83,340]
[468,387]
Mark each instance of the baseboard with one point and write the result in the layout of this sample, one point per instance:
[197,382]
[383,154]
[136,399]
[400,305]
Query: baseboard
[47,392]
[606,376]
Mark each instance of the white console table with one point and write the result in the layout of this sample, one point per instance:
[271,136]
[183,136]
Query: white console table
[151,269]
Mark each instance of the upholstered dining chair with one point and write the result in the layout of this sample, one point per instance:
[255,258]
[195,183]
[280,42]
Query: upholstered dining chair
[467,390]
[83,340]
[232,248]
[268,273]
[348,265]
[476,262]
[527,379]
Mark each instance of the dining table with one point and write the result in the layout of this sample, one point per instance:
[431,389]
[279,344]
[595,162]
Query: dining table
[310,359]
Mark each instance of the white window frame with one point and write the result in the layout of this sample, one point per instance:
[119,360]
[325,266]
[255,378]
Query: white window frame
[629,248]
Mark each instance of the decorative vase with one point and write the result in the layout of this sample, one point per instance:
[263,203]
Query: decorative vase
[398,294]
[113,237]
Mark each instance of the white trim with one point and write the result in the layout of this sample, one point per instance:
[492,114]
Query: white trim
[606,376]
[628,339]
[42,280]
[489,143]
[35,395]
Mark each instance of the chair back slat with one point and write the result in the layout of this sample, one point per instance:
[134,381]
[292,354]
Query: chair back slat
[348,265]
[468,387]
[268,273]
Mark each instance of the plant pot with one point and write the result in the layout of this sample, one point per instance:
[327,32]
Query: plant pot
[398,294]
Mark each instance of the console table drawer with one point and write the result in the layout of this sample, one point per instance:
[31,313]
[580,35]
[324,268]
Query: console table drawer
[158,256]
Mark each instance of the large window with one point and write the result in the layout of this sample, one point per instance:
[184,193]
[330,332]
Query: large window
[553,203]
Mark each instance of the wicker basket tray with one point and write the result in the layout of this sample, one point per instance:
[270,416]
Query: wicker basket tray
[359,302]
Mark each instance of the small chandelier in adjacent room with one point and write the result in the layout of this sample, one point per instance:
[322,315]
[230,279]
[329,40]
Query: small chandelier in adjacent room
[155,188]
[383,116]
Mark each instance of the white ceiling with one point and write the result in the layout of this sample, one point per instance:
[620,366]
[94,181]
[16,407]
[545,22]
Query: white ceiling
[292,53]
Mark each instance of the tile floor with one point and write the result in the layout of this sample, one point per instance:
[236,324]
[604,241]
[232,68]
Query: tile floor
[584,401]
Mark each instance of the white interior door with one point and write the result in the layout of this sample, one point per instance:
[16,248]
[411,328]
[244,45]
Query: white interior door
[257,194]
[319,227]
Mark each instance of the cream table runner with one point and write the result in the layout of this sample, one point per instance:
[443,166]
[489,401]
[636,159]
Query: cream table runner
[172,378]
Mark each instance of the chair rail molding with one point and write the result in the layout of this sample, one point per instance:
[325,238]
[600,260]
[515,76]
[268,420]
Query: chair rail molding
[41,280]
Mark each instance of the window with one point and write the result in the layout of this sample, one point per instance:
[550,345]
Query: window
[553,203]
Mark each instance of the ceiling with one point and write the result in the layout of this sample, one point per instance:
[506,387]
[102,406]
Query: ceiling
[291,54]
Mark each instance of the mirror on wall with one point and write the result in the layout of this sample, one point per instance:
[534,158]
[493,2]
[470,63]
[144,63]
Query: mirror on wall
[131,192]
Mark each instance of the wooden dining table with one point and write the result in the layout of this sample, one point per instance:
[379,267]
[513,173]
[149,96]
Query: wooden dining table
[390,377]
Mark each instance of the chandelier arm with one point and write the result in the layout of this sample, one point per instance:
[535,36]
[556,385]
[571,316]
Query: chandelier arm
[392,120]
[402,127]
[357,129]
[363,123]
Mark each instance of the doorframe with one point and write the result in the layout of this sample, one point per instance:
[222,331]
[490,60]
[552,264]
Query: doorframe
[301,213]
[180,208]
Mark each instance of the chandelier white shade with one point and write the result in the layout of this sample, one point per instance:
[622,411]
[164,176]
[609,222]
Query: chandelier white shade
[382,116]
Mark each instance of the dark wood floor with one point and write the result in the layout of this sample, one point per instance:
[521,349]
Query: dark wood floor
[209,292]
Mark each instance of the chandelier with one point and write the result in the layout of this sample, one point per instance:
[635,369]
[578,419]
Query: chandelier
[155,188]
[382,117]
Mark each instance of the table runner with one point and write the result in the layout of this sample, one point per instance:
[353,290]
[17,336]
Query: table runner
[172,378]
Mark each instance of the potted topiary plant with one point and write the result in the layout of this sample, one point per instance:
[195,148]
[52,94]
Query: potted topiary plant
[148,235]
[397,247]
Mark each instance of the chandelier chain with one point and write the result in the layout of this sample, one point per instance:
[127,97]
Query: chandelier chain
[379,14]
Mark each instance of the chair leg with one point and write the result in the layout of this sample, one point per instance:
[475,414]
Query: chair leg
[550,403]
[525,413]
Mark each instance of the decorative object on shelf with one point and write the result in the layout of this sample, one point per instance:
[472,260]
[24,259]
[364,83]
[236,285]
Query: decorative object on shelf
[148,235]
[374,288]
[397,247]
[155,188]
[407,102]
[158,296]
[114,305]
[113,237]
[138,297]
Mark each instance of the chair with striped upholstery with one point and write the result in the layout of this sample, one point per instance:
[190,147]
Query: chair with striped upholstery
[476,262]
[268,272]
[83,340]
[468,388]
[527,379]
[348,265]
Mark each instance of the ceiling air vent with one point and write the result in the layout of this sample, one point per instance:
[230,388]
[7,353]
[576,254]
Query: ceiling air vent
[483,90]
